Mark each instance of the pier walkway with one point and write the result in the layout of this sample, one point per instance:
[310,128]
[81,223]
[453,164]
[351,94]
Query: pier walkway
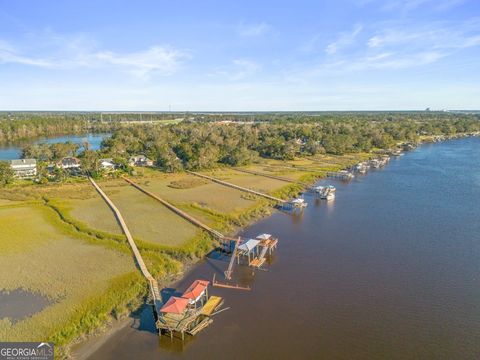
[298,168]
[275,177]
[221,182]
[153,284]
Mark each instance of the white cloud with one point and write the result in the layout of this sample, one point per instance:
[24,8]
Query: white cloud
[344,40]
[394,46]
[239,69]
[410,5]
[446,36]
[68,53]
[253,30]
[157,59]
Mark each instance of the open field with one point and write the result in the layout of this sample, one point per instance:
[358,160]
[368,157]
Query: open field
[48,258]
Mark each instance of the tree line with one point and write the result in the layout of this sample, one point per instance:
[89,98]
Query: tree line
[216,139]
[201,145]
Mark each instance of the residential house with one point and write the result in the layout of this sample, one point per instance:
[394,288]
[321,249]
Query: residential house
[139,160]
[24,168]
[107,164]
[69,163]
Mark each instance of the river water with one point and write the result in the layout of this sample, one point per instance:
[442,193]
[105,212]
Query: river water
[390,270]
[14,150]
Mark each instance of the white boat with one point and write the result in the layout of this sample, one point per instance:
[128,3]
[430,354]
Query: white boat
[299,203]
[330,196]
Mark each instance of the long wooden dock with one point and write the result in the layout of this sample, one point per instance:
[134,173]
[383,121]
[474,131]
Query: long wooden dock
[275,177]
[153,284]
[221,182]
[297,168]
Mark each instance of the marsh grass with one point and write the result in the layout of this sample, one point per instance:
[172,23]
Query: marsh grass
[186,183]
[47,256]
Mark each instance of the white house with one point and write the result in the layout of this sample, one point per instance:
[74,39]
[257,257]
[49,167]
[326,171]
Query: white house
[107,164]
[24,168]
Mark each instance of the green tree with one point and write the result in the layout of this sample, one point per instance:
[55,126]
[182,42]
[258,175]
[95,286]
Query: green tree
[6,173]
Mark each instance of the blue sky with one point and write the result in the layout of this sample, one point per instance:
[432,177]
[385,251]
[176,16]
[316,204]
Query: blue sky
[239,55]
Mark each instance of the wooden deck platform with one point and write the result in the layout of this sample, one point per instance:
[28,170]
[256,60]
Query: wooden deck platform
[257,262]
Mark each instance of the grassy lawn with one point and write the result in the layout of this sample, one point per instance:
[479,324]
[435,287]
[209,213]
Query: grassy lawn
[48,258]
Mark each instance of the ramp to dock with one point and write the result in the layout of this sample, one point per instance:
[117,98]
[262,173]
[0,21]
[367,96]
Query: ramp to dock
[154,289]
[221,182]
[228,272]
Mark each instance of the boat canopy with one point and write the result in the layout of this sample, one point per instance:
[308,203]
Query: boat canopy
[264,236]
[248,245]
[196,290]
[298,201]
[175,305]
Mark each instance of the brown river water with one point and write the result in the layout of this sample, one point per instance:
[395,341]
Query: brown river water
[389,270]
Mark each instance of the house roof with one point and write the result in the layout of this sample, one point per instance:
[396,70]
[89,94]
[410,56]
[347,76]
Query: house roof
[70,161]
[175,305]
[196,289]
[23,162]
[249,245]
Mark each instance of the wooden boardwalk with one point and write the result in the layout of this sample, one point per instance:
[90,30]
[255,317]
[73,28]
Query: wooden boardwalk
[153,284]
[221,182]
[275,177]
[299,168]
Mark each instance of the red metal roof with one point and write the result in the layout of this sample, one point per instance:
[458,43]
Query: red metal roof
[196,289]
[175,305]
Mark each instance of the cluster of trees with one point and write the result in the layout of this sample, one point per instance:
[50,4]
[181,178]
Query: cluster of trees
[16,126]
[21,129]
[197,145]
[6,173]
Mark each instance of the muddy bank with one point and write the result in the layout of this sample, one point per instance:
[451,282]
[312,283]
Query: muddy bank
[19,304]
